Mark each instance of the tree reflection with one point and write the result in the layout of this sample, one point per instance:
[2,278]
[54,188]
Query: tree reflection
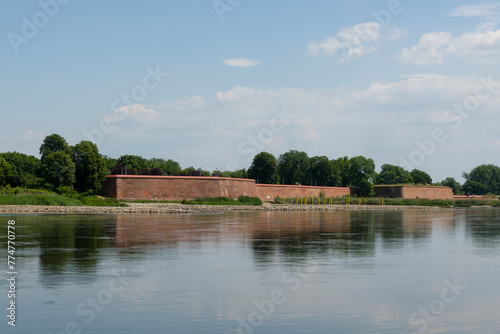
[483,226]
[301,236]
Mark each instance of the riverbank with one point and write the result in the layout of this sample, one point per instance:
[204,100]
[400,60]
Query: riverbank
[155,208]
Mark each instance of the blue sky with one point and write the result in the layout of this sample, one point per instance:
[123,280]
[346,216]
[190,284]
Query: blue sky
[407,85]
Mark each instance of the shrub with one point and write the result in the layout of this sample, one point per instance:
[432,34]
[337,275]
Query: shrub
[156,171]
[144,171]
[249,200]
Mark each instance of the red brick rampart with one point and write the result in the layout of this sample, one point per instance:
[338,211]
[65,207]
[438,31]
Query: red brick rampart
[269,191]
[136,187]
[175,187]
[189,187]
[413,192]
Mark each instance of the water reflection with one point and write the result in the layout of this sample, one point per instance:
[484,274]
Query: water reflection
[76,243]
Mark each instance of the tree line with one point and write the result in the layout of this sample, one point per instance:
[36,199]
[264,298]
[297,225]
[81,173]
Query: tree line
[81,167]
[296,167]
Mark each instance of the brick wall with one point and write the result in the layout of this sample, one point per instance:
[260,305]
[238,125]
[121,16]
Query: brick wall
[175,187]
[413,192]
[180,187]
[270,191]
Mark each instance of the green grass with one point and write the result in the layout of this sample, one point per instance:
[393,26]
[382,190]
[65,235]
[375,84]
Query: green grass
[242,200]
[398,201]
[23,196]
[52,200]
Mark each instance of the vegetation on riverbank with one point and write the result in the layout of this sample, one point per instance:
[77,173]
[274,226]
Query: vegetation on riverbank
[242,200]
[442,203]
[81,167]
[24,196]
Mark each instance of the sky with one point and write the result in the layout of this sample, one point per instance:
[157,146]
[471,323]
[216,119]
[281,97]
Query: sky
[212,83]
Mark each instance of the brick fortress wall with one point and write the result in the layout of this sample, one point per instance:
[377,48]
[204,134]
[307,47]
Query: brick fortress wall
[413,192]
[135,187]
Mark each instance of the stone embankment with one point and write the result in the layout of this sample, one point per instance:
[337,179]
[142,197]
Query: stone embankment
[180,208]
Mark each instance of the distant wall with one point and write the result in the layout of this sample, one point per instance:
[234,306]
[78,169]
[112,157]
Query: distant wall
[413,192]
[270,191]
[136,187]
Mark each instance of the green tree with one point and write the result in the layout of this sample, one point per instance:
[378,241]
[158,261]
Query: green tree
[360,168]
[391,174]
[475,188]
[453,184]
[324,172]
[361,174]
[264,168]
[240,174]
[482,180]
[54,143]
[133,163]
[57,169]
[171,167]
[6,174]
[342,164]
[110,163]
[168,167]
[24,169]
[365,188]
[420,177]
[90,167]
[293,167]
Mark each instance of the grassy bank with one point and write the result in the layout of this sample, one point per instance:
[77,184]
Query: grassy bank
[23,196]
[389,201]
[242,200]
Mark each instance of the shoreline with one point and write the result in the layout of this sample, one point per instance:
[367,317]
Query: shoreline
[169,208]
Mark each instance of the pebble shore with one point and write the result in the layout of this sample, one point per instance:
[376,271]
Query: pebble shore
[180,208]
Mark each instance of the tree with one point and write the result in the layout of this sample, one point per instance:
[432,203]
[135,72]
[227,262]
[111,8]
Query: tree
[216,173]
[90,167]
[145,171]
[264,168]
[360,168]
[156,171]
[420,177]
[483,179]
[24,169]
[6,174]
[324,172]
[342,164]
[110,164]
[391,174]
[476,188]
[57,169]
[453,184]
[293,167]
[168,167]
[240,174]
[133,163]
[361,173]
[54,143]
[365,188]
[171,167]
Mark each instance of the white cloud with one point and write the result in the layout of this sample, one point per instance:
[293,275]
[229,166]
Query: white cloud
[137,112]
[479,10]
[240,62]
[356,41]
[382,121]
[481,46]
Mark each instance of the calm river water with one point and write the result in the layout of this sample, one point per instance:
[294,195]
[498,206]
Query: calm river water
[256,272]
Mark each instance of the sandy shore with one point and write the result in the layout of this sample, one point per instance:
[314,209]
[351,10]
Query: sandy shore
[180,208]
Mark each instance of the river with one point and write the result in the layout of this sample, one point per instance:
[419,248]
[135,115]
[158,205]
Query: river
[435,271]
